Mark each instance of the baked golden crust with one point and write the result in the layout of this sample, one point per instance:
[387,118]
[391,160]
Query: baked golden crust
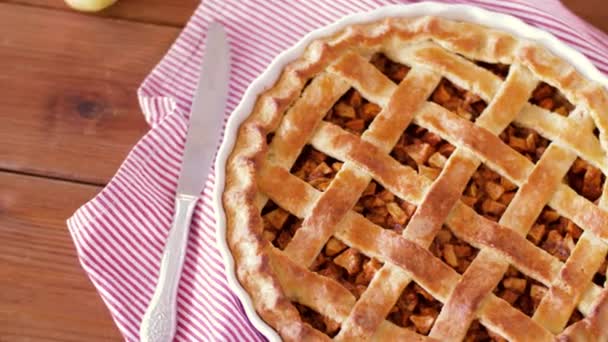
[292,112]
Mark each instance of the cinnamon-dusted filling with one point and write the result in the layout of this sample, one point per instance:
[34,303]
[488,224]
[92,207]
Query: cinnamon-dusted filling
[279,225]
[498,69]
[586,180]
[550,98]
[477,332]
[393,70]
[316,168]
[575,317]
[418,148]
[383,208]
[318,321]
[349,267]
[313,167]
[422,150]
[458,100]
[521,291]
[600,276]
[415,309]
[346,265]
[452,250]
[337,261]
[525,293]
[525,141]
[353,112]
[488,193]
[555,234]
[269,138]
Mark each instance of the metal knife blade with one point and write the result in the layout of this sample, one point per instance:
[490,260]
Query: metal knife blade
[160,319]
[207,113]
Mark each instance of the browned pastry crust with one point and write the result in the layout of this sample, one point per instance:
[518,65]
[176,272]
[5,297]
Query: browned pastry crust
[454,292]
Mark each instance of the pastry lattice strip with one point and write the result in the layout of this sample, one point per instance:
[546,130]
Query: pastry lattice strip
[564,192]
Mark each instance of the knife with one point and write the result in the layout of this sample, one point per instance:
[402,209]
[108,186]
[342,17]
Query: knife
[206,117]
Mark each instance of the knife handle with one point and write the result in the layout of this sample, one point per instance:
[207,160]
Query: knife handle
[159,321]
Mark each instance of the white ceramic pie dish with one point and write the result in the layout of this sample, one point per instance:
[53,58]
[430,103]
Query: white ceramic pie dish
[468,13]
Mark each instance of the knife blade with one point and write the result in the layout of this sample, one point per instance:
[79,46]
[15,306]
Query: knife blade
[206,118]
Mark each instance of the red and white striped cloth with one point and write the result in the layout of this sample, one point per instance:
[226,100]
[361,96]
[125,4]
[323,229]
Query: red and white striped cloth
[120,234]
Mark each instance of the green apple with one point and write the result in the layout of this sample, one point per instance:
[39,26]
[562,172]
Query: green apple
[89,5]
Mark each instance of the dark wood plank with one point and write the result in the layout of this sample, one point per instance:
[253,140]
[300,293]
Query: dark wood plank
[69,107]
[594,11]
[177,12]
[45,294]
[174,12]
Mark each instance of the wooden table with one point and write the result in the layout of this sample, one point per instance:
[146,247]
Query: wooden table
[69,115]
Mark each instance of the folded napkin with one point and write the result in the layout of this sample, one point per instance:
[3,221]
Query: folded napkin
[120,234]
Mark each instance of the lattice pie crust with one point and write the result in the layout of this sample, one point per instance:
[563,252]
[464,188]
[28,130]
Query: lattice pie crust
[424,179]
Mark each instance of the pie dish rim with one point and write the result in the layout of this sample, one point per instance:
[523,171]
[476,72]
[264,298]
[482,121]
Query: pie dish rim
[271,74]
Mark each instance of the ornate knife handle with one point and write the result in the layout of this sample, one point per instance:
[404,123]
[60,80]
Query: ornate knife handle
[159,321]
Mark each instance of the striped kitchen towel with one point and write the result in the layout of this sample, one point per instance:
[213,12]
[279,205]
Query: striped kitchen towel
[120,234]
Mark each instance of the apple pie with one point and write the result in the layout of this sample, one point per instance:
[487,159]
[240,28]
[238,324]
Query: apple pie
[424,179]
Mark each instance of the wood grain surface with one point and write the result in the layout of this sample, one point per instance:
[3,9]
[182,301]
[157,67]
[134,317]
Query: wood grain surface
[43,292]
[71,94]
[68,111]
[593,11]
[68,116]
[164,12]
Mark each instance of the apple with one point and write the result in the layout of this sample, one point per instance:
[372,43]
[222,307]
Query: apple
[89,5]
